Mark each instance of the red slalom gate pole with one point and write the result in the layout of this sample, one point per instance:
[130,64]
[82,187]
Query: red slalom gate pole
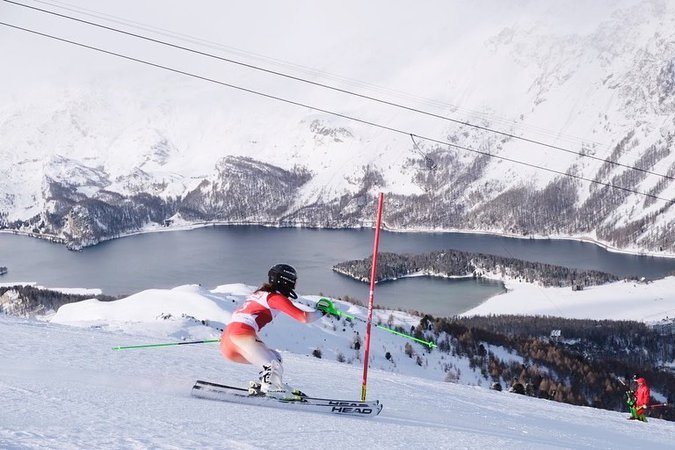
[371,295]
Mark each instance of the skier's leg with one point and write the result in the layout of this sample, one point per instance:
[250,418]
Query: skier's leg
[271,378]
[272,373]
[230,350]
[250,349]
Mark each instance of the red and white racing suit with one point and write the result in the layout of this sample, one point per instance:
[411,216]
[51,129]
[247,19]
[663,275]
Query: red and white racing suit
[240,342]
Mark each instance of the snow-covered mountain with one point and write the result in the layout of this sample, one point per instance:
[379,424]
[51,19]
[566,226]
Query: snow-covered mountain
[94,145]
[62,386]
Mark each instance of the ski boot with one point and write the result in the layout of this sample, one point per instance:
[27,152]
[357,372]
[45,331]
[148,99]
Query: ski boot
[271,384]
[254,389]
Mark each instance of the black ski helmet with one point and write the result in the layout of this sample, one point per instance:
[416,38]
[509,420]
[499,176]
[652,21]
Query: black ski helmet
[282,278]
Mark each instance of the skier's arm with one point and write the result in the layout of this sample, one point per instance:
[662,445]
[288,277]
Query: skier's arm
[283,304]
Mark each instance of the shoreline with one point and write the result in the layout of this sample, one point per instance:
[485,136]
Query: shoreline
[583,239]
[196,225]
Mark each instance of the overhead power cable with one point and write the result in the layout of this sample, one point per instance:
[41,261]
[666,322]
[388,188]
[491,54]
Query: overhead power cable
[344,91]
[333,113]
[310,71]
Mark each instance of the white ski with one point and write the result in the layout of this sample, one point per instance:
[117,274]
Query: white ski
[358,408]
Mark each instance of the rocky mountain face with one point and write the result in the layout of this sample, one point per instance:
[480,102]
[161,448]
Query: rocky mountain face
[585,121]
[246,191]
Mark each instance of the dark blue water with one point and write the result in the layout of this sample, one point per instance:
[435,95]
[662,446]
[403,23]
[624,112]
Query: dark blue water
[219,255]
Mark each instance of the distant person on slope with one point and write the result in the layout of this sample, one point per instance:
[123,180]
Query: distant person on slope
[640,400]
[240,342]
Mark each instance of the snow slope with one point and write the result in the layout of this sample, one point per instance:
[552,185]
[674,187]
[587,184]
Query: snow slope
[62,386]
[623,300]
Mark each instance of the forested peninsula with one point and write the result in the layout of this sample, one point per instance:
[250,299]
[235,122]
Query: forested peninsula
[455,263]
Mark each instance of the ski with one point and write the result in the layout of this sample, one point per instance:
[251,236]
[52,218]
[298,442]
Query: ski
[356,408]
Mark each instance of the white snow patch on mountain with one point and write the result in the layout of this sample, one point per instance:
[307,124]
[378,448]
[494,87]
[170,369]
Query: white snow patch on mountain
[579,75]
[622,300]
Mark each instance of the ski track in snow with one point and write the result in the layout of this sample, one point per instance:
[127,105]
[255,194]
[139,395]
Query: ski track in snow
[64,388]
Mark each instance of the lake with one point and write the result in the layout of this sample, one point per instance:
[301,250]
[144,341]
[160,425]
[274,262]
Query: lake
[218,255]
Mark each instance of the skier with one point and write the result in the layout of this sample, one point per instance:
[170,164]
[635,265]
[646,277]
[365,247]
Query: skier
[240,342]
[639,400]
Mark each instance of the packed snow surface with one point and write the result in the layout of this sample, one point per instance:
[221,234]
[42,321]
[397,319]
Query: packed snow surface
[64,387]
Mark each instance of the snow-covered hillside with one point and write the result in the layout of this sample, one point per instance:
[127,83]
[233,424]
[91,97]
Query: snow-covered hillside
[178,314]
[94,146]
[622,300]
[64,387]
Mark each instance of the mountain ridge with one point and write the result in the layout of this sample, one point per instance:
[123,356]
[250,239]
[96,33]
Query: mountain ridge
[119,151]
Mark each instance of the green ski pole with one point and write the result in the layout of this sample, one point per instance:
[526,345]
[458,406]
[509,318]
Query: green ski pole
[429,344]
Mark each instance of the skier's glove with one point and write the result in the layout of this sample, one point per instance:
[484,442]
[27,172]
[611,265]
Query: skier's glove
[630,398]
[326,307]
